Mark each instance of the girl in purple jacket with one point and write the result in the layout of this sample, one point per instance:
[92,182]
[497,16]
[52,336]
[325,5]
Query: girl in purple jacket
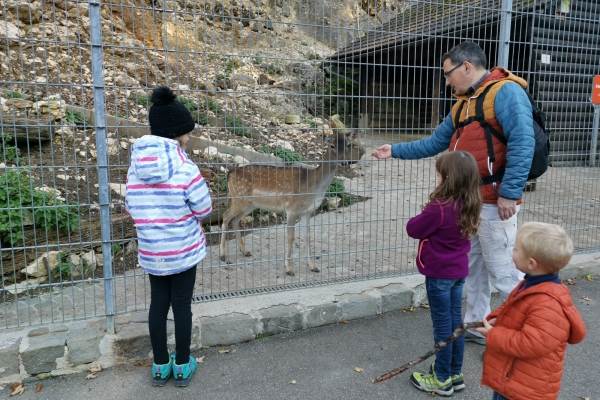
[444,229]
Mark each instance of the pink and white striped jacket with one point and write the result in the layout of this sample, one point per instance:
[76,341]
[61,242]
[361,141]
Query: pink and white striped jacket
[167,197]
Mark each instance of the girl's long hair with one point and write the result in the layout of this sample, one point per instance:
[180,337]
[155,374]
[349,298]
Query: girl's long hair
[460,185]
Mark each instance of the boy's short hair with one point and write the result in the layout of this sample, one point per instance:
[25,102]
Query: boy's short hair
[548,244]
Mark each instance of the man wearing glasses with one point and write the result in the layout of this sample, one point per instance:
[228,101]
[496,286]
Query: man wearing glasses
[506,108]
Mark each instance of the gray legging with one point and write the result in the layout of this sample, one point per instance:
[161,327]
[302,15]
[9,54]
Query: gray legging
[171,291]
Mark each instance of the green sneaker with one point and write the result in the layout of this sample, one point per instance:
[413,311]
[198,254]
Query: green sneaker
[183,373]
[162,372]
[458,381]
[430,383]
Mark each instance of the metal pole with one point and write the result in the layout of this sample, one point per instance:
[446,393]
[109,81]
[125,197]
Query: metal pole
[100,125]
[594,136]
[504,37]
[166,41]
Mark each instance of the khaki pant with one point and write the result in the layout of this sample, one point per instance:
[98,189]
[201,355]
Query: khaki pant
[490,263]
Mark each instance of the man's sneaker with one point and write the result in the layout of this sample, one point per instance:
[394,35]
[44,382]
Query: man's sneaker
[162,372]
[183,373]
[470,337]
[430,383]
[458,381]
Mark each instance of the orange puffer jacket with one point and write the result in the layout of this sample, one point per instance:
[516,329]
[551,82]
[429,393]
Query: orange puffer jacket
[526,348]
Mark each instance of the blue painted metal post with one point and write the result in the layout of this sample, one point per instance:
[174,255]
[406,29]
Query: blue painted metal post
[100,125]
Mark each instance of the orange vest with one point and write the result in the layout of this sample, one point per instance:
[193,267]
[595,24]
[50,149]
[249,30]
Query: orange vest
[472,137]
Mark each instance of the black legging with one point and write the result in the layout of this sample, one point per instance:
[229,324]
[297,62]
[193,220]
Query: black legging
[175,291]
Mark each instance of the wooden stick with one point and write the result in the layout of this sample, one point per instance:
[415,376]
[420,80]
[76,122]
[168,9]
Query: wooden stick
[438,346]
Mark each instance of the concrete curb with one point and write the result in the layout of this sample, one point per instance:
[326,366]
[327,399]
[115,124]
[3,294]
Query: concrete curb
[33,353]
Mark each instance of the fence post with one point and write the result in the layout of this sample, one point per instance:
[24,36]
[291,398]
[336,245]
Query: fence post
[594,135]
[100,125]
[504,35]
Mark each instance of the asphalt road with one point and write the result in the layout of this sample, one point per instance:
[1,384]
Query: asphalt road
[319,364]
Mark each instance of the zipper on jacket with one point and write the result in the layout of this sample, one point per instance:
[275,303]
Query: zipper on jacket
[421,245]
[510,370]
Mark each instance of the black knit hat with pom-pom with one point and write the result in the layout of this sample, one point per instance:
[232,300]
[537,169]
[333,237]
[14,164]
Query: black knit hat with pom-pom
[168,118]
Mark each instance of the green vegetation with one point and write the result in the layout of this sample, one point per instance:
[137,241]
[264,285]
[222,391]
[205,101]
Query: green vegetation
[235,126]
[340,96]
[76,118]
[143,101]
[258,60]
[337,189]
[220,183]
[19,200]
[8,153]
[288,156]
[12,95]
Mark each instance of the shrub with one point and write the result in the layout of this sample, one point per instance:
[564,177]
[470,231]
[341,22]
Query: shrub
[76,118]
[235,126]
[288,156]
[9,153]
[12,94]
[19,199]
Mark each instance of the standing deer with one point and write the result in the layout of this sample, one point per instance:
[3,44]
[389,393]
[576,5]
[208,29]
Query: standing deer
[298,191]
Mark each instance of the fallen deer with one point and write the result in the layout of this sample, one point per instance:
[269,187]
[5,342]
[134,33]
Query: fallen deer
[297,191]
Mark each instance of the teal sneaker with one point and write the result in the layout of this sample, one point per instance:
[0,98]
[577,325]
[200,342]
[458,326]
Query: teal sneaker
[183,373]
[430,383]
[458,381]
[162,372]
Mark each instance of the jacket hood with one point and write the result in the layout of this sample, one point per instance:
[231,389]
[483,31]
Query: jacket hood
[155,159]
[563,295]
[496,74]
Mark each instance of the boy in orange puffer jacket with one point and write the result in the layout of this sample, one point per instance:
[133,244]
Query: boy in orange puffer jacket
[527,335]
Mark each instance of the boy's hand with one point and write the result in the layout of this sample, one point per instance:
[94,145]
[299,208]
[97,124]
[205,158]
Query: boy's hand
[383,152]
[487,327]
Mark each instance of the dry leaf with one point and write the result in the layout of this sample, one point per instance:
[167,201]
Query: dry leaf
[91,376]
[358,369]
[15,385]
[345,321]
[590,278]
[586,298]
[64,379]
[200,359]
[39,388]
[143,364]
[223,351]
[292,382]
[95,369]
[584,398]
[18,389]
[425,305]
[411,309]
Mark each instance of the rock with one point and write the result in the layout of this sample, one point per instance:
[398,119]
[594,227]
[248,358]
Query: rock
[284,144]
[240,160]
[9,30]
[39,268]
[286,10]
[89,259]
[255,26]
[25,285]
[64,135]
[118,188]
[333,202]
[269,24]
[76,266]
[211,152]
[54,108]
[243,79]
[292,119]
[112,146]
[131,247]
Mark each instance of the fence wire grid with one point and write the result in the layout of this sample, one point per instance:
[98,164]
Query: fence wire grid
[267,81]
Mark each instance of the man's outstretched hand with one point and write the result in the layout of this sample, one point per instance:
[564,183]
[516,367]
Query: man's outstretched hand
[383,152]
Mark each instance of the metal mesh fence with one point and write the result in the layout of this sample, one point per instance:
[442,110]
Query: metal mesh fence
[267,81]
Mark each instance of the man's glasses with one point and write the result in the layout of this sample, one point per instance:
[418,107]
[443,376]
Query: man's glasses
[447,74]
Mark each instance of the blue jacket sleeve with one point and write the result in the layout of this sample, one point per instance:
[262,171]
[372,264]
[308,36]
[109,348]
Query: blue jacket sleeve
[430,146]
[514,114]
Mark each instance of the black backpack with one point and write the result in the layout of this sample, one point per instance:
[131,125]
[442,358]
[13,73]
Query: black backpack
[539,163]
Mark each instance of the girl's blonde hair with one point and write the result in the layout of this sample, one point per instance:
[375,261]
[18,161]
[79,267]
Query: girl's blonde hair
[460,184]
[548,244]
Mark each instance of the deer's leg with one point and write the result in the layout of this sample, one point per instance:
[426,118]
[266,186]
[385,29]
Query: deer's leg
[239,237]
[305,222]
[223,247]
[291,231]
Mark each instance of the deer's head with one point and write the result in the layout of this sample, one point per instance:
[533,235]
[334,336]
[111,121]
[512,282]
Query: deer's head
[345,148]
